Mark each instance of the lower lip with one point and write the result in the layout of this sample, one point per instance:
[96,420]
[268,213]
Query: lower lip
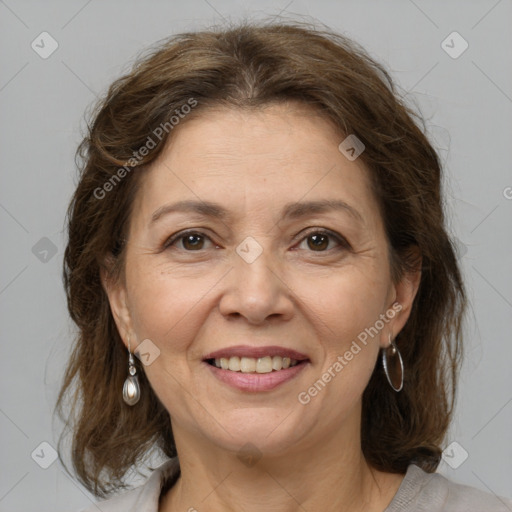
[256,381]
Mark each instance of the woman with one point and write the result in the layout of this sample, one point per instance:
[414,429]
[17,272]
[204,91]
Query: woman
[263,284]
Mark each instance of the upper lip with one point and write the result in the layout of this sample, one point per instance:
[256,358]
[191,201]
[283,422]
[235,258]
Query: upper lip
[256,352]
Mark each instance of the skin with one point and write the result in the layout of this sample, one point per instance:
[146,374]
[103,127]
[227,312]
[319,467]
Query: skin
[190,302]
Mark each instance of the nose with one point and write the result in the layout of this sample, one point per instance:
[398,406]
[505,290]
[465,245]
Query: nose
[256,291]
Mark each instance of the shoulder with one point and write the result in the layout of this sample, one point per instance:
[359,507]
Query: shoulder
[421,491]
[144,498]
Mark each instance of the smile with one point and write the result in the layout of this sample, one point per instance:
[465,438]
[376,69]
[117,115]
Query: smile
[266,364]
[253,381]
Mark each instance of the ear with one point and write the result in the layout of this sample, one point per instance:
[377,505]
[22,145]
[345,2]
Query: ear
[404,291]
[115,289]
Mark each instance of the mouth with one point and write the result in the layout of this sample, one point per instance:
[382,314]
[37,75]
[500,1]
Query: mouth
[247,359]
[265,364]
[256,369]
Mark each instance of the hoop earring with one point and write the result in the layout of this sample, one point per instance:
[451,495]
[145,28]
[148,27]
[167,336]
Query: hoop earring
[393,365]
[131,387]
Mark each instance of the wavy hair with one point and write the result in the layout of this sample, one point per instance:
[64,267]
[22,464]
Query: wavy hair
[250,65]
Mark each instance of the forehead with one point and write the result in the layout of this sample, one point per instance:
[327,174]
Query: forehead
[258,159]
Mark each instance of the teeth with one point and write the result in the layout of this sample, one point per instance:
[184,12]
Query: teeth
[265,364]
[234,364]
[247,364]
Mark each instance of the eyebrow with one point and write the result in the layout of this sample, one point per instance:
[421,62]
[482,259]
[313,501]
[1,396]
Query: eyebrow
[290,211]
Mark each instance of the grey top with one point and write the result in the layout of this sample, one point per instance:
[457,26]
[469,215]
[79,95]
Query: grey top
[419,492]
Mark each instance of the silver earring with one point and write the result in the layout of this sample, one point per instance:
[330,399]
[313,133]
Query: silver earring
[131,388]
[393,365]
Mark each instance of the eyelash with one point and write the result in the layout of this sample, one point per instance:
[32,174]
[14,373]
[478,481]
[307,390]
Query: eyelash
[182,234]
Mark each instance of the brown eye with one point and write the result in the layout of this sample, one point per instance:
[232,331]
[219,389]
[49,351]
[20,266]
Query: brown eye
[192,242]
[324,241]
[318,242]
[188,241]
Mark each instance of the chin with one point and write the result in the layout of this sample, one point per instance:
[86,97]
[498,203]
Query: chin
[265,430]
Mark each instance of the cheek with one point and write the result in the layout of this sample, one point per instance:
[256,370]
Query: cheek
[345,313]
[348,302]
[168,307]
[165,304]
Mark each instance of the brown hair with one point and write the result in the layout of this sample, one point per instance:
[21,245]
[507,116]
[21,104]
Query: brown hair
[252,65]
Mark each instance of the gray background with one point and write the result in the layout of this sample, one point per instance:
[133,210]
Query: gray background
[468,104]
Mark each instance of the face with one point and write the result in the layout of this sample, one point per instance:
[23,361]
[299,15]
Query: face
[277,250]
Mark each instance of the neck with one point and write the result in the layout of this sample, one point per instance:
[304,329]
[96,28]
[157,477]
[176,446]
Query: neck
[327,475]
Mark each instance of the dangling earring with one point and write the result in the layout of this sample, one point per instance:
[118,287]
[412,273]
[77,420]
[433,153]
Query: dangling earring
[393,365]
[131,388]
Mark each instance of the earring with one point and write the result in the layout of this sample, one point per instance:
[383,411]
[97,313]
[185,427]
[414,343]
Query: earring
[393,365]
[131,388]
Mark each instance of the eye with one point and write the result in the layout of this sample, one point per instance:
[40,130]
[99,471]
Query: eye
[320,240]
[188,240]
